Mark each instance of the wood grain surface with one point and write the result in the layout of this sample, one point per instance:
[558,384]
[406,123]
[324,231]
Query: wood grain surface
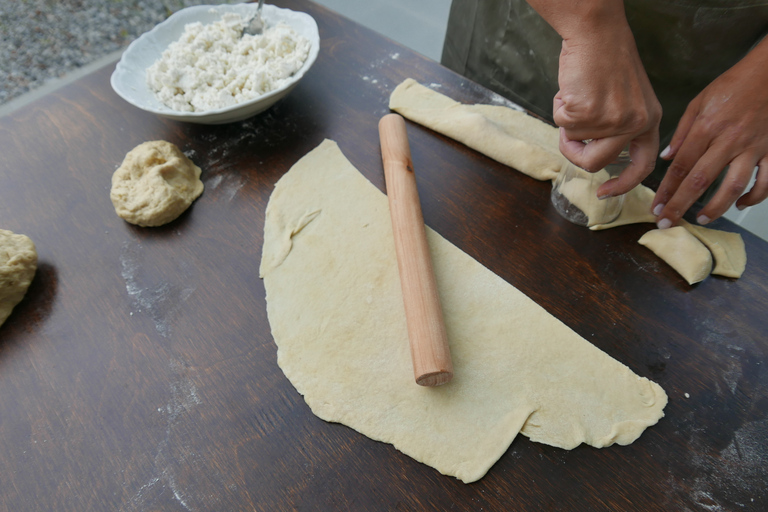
[139,373]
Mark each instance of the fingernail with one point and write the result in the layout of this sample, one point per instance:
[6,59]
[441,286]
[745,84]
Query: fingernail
[703,219]
[666,152]
[657,209]
[664,224]
[605,196]
[741,207]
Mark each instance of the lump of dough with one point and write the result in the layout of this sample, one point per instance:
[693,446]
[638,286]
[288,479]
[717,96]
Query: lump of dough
[18,263]
[155,184]
[681,250]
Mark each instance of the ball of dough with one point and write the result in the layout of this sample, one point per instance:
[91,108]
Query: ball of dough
[18,263]
[155,184]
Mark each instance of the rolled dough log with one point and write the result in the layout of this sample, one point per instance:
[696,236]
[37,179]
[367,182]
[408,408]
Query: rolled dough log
[335,308]
[508,136]
[18,264]
[681,250]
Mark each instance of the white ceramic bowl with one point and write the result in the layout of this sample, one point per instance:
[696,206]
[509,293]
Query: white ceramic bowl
[130,82]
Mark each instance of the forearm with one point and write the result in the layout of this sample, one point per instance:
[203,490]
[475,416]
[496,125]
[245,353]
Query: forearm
[580,19]
[605,94]
[757,58]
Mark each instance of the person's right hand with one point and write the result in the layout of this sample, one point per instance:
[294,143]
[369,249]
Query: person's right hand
[724,127]
[605,96]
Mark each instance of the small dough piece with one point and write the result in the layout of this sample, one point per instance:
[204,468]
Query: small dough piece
[508,136]
[636,209]
[681,250]
[581,191]
[18,264]
[155,184]
[727,248]
[335,308]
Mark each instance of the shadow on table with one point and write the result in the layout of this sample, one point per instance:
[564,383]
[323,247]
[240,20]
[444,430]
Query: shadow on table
[33,309]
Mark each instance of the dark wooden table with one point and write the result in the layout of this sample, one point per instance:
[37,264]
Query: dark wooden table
[139,372]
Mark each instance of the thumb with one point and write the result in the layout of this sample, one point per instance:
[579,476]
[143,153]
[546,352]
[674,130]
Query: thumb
[557,103]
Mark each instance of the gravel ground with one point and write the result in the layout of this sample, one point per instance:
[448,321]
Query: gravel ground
[45,39]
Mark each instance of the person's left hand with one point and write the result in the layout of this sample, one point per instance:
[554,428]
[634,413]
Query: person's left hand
[725,125]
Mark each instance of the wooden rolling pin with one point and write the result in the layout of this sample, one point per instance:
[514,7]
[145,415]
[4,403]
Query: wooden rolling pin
[426,329]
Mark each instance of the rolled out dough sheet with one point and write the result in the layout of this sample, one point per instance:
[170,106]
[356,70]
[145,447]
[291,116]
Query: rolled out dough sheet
[335,308]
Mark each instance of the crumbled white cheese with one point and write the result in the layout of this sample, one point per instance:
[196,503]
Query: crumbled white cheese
[212,66]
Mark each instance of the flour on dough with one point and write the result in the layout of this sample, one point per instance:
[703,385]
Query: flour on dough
[335,309]
[155,184]
[18,264]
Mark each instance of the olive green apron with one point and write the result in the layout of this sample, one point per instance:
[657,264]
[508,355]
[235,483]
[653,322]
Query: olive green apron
[684,45]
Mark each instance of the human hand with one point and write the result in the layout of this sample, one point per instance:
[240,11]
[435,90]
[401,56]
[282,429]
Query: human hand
[725,125]
[605,96]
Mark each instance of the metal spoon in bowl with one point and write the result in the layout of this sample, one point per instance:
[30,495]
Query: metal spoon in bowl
[255,25]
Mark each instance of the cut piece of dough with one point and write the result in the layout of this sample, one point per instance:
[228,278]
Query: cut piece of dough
[155,184]
[636,209]
[727,248]
[336,312]
[508,136]
[681,250]
[18,264]
[581,190]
